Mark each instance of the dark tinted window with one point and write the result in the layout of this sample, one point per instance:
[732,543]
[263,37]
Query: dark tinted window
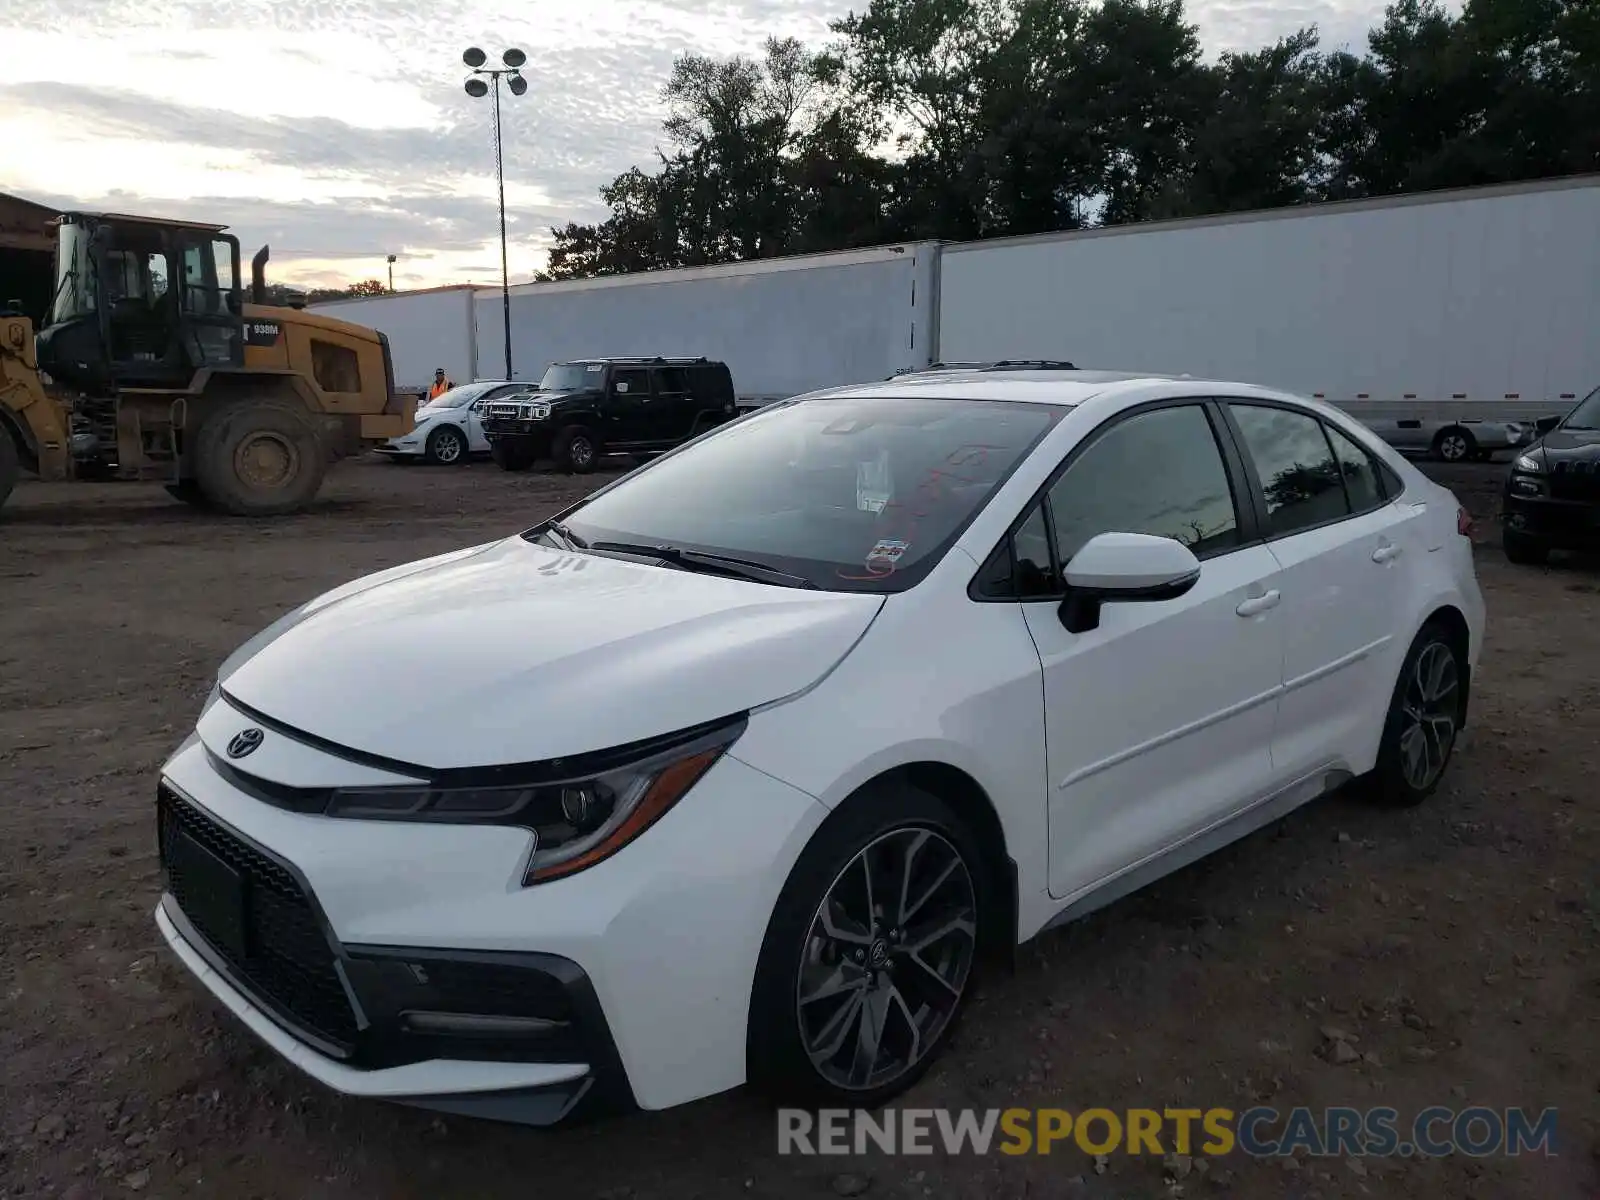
[632,380]
[1299,476]
[852,493]
[1159,473]
[671,379]
[1361,482]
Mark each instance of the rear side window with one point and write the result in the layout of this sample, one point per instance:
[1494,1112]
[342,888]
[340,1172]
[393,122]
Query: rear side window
[1362,484]
[1300,478]
[672,379]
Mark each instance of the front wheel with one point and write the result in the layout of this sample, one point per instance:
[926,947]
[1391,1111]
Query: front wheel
[1523,550]
[511,456]
[10,464]
[1425,716]
[259,458]
[447,446]
[576,449]
[868,957]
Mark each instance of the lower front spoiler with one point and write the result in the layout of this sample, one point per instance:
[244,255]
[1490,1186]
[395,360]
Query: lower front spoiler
[521,1092]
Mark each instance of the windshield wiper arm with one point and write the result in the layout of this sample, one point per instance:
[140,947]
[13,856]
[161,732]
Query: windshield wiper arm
[722,564]
[566,535]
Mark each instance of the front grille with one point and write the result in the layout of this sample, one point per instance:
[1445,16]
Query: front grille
[504,411]
[267,932]
[1575,480]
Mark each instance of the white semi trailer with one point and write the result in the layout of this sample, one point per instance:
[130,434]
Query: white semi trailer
[1480,301]
[427,329]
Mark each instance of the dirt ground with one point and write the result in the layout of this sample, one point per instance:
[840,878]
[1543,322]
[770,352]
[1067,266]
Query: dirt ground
[1457,942]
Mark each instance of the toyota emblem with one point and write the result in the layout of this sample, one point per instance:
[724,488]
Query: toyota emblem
[245,742]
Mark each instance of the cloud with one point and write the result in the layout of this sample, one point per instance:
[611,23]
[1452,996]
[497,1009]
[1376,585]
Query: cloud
[338,130]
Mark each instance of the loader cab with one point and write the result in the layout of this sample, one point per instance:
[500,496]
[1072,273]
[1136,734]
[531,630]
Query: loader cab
[141,303]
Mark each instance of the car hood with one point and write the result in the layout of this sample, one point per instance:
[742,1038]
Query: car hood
[514,652]
[1569,445]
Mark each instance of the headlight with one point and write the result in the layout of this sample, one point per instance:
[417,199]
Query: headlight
[1529,464]
[537,412]
[575,821]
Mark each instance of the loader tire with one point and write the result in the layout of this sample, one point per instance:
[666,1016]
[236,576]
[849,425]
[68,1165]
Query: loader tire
[10,464]
[259,458]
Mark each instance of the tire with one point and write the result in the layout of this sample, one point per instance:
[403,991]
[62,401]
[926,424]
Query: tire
[1455,444]
[576,449]
[510,456]
[10,464]
[188,490]
[1431,694]
[259,458]
[901,826]
[1523,550]
[447,446]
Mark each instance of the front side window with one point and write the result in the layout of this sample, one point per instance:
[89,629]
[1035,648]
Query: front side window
[1299,476]
[849,494]
[1158,472]
[75,279]
[631,382]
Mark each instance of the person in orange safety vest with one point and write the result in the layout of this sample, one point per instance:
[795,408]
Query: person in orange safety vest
[441,385]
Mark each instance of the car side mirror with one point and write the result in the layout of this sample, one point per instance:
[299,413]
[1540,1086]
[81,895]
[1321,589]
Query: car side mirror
[1545,424]
[1121,568]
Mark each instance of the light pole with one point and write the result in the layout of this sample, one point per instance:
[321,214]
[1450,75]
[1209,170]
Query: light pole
[477,88]
[391,274]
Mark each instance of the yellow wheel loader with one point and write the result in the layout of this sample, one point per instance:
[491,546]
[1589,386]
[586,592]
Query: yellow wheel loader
[150,364]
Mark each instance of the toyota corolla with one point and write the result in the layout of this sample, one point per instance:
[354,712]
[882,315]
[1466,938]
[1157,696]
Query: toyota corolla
[760,753]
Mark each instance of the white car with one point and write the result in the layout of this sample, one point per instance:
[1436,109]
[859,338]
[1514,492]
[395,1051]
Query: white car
[765,746]
[449,430]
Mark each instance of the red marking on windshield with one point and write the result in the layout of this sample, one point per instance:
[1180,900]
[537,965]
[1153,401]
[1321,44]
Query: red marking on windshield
[933,487]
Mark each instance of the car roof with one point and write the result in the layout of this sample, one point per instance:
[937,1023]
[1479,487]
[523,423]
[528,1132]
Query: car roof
[1061,388]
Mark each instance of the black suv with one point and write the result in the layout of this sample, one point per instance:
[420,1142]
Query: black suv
[594,406]
[1552,496]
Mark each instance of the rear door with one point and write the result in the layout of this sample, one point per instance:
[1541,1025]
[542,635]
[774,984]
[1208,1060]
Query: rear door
[628,413]
[1344,548]
[674,404]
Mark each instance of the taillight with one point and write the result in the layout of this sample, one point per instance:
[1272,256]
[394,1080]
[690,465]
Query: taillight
[1463,521]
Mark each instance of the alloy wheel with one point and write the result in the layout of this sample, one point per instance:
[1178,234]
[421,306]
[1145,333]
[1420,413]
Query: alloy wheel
[1453,448]
[582,452]
[447,445]
[1430,706]
[886,959]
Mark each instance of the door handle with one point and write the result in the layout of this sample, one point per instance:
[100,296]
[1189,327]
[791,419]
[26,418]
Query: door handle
[1259,604]
[1386,553]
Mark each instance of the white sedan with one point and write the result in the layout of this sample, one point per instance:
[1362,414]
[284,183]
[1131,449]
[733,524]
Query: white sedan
[449,430]
[763,749]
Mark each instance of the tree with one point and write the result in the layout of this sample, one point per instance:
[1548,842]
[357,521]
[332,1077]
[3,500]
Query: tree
[973,118]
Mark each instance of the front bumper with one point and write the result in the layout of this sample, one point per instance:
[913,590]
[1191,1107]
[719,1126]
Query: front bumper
[642,964]
[536,434]
[528,1093]
[1568,524]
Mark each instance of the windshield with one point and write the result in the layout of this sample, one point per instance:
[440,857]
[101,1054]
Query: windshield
[849,494]
[1586,415]
[458,396]
[572,377]
[75,291]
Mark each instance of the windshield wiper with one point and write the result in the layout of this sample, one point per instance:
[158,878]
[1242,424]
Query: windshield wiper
[720,564]
[566,535]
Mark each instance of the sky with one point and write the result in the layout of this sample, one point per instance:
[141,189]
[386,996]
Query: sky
[338,131]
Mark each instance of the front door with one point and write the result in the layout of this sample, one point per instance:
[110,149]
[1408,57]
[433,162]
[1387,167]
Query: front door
[1343,546]
[1159,722]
